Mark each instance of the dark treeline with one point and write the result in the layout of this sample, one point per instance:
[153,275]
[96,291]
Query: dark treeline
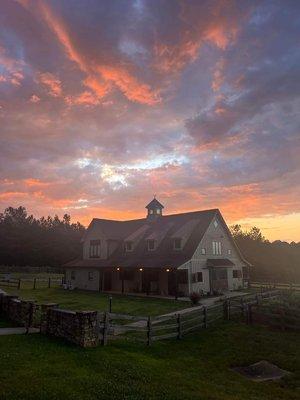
[272,261]
[25,240]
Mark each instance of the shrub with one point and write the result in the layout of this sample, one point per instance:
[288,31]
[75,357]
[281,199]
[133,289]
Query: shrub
[195,297]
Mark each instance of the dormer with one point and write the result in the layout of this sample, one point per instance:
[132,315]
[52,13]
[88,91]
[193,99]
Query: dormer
[154,209]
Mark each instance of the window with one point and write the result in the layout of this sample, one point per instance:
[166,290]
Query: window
[236,273]
[177,244]
[150,211]
[215,223]
[73,275]
[158,211]
[203,251]
[151,244]
[217,248]
[91,276]
[199,277]
[229,252]
[95,248]
[128,246]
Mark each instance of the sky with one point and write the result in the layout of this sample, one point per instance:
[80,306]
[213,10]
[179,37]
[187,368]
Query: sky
[105,103]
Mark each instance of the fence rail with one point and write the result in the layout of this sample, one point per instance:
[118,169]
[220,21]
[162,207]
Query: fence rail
[31,283]
[272,285]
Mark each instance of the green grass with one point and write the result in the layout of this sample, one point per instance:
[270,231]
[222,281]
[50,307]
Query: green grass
[198,367]
[86,300]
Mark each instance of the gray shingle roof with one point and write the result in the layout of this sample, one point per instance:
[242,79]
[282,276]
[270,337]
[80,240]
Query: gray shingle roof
[164,254]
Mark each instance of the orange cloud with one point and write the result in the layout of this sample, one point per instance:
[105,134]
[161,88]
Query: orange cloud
[99,77]
[34,98]
[52,83]
[85,98]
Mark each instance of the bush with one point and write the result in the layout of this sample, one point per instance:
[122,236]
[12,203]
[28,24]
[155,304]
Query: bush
[195,297]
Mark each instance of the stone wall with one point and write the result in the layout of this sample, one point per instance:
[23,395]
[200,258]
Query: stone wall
[76,327]
[18,311]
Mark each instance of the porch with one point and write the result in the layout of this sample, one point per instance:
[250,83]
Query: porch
[164,282]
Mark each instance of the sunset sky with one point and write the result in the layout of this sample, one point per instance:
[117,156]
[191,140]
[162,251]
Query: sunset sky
[105,103]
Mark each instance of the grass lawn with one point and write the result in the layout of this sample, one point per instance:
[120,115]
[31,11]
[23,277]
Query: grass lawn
[87,300]
[198,367]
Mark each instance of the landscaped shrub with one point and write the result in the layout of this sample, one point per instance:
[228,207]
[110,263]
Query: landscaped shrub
[195,297]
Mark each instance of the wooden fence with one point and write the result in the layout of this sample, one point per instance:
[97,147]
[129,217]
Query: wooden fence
[280,286]
[151,329]
[31,283]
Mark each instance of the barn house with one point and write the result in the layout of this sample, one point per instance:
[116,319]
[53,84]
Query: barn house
[166,255]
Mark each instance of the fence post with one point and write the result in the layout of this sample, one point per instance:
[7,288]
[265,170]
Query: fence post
[30,316]
[19,284]
[179,327]
[49,283]
[205,316]
[34,283]
[149,331]
[249,314]
[242,306]
[105,329]
[225,310]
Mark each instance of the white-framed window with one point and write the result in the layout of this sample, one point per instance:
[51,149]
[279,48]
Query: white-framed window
[128,246]
[229,252]
[158,211]
[177,243]
[197,277]
[73,275]
[150,211]
[217,248]
[216,223]
[151,244]
[91,276]
[236,273]
[95,248]
[203,250]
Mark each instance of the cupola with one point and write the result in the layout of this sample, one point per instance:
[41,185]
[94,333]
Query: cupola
[154,209]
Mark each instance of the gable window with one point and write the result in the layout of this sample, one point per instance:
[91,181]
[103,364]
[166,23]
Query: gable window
[151,244]
[95,248]
[128,246]
[203,251]
[217,248]
[236,273]
[91,276]
[177,244]
[229,252]
[215,223]
[73,275]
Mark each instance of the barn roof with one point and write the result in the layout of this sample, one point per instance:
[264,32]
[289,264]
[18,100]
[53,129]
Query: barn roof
[162,230]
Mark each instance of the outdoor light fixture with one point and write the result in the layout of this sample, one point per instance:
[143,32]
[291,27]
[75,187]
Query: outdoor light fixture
[168,269]
[118,269]
[141,269]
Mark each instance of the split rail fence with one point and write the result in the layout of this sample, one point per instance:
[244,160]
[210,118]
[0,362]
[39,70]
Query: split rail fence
[151,329]
[31,283]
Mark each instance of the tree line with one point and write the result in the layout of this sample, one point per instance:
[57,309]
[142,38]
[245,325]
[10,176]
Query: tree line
[276,261]
[51,241]
[28,241]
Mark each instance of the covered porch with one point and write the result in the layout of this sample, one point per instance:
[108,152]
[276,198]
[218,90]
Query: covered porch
[165,282]
[218,274]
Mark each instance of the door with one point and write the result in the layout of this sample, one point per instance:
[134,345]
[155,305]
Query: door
[107,280]
[219,279]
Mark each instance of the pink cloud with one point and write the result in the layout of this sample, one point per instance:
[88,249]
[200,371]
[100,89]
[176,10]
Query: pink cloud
[52,83]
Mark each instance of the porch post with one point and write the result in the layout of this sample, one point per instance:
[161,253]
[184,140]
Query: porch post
[122,277]
[176,284]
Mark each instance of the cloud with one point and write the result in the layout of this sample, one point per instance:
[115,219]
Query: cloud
[194,101]
[52,83]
